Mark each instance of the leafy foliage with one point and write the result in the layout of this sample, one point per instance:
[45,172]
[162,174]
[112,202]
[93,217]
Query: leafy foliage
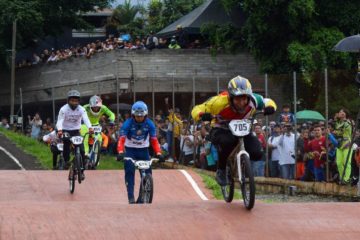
[225,37]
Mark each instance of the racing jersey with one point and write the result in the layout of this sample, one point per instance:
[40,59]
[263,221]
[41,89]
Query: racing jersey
[94,119]
[50,138]
[220,106]
[69,119]
[138,135]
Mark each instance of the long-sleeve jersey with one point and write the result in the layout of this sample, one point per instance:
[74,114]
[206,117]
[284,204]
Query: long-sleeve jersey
[69,119]
[220,105]
[138,135]
[94,119]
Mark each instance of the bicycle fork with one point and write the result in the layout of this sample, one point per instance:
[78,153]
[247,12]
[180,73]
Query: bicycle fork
[238,159]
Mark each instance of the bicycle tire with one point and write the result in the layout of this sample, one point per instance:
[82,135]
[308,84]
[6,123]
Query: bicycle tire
[78,164]
[247,183]
[228,190]
[61,162]
[72,178]
[147,189]
[96,154]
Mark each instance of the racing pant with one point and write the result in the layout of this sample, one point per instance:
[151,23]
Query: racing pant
[225,142]
[67,144]
[55,152]
[136,154]
[341,155]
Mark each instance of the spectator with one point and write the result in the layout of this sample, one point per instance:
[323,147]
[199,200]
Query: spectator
[258,165]
[4,123]
[36,59]
[173,44]
[44,131]
[286,116]
[152,41]
[187,146]
[53,58]
[275,151]
[45,56]
[162,43]
[343,133]
[164,147]
[35,124]
[212,155]
[302,150]
[287,155]
[181,36]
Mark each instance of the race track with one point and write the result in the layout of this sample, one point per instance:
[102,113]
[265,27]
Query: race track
[38,205]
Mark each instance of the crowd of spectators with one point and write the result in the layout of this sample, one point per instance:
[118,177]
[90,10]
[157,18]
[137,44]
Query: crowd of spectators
[179,40]
[187,143]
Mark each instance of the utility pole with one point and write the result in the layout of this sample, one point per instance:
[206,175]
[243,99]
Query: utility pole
[12,89]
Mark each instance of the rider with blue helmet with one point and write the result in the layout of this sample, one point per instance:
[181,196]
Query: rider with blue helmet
[136,135]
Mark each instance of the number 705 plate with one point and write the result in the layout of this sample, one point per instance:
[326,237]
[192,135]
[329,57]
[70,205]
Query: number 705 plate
[240,128]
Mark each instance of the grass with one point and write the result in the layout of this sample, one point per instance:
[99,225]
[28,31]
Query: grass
[43,154]
[211,184]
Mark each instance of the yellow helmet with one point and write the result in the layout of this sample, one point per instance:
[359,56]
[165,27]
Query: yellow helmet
[239,86]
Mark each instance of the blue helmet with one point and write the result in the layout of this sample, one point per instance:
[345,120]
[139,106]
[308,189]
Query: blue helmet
[139,109]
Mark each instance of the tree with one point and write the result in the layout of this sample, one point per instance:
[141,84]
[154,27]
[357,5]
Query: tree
[125,17]
[39,18]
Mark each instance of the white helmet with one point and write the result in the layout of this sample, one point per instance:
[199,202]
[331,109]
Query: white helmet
[95,102]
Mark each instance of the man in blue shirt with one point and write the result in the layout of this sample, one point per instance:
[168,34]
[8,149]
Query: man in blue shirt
[136,135]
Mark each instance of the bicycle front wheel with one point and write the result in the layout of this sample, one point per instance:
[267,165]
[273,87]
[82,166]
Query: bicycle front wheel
[72,179]
[96,154]
[247,183]
[228,190]
[147,189]
[78,165]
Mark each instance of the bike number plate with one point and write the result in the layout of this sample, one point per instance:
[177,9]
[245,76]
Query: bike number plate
[143,164]
[240,128]
[77,140]
[97,129]
[60,146]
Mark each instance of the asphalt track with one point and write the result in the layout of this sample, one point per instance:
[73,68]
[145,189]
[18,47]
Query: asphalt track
[38,205]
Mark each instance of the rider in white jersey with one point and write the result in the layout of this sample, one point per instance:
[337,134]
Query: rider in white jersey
[69,120]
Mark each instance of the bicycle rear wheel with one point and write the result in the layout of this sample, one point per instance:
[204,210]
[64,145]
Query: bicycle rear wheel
[228,190]
[147,189]
[247,183]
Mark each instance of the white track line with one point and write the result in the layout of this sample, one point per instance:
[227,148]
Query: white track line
[194,185]
[12,157]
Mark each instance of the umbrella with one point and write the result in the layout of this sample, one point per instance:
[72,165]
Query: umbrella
[308,115]
[122,106]
[349,44]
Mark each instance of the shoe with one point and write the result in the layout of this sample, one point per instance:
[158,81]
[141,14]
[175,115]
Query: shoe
[131,201]
[67,165]
[221,177]
[170,160]
[139,201]
[82,175]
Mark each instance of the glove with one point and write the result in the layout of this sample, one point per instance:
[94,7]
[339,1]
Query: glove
[206,117]
[120,157]
[60,133]
[161,158]
[268,110]
[91,131]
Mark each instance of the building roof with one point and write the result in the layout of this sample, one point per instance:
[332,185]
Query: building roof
[209,11]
